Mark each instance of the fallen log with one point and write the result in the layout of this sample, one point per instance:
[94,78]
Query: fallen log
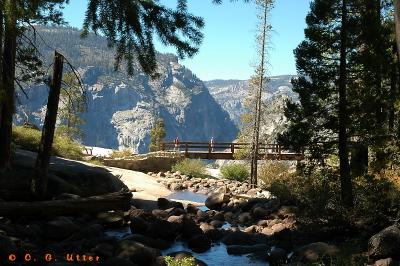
[113,201]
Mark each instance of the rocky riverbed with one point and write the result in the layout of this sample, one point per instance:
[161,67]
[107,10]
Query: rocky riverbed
[237,220]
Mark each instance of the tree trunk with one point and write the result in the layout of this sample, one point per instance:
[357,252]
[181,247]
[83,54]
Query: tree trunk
[260,86]
[359,159]
[345,181]
[7,89]
[112,201]
[39,182]
[397,23]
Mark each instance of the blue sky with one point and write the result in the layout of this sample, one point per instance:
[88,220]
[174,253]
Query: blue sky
[228,48]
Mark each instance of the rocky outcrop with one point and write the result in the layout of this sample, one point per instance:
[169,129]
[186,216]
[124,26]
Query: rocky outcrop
[123,108]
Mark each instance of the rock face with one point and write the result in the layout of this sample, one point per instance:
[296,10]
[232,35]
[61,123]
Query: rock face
[385,244]
[124,108]
[231,94]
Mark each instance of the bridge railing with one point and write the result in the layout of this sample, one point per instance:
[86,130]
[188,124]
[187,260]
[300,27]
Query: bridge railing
[218,147]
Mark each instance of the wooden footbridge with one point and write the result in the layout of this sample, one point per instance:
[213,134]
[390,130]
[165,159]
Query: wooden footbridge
[226,151]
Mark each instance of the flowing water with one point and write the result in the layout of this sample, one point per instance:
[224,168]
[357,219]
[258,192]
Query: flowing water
[217,255]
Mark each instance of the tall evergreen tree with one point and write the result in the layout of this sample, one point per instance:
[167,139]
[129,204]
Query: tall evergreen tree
[157,135]
[347,89]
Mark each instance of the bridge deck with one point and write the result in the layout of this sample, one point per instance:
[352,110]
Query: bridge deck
[226,151]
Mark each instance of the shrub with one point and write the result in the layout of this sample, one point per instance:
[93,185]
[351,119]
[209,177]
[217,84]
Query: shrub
[237,172]
[121,154]
[188,261]
[29,139]
[190,167]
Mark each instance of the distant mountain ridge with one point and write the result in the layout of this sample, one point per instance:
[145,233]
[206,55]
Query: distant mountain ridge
[122,108]
[231,94]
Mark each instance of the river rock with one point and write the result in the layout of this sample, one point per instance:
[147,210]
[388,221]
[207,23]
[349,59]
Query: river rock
[175,211]
[217,223]
[157,243]
[259,212]
[277,255]
[138,225]
[215,200]
[176,186]
[161,174]
[103,250]
[158,228]
[199,243]
[137,253]
[164,204]
[88,232]
[385,244]
[111,219]
[61,228]
[190,228]
[244,218]
[190,208]
[162,214]
[242,238]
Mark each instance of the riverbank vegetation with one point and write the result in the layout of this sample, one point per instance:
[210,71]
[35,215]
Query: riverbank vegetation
[29,139]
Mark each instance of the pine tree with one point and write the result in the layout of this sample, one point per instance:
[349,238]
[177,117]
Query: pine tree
[72,105]
[16,17]
[347,87]
[157,135]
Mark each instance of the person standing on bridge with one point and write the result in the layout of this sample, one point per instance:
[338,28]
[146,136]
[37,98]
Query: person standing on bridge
[212,143]
[176,141]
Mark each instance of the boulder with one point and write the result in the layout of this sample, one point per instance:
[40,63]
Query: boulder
[176,186]
[138,225]
[103,250]
[244,218]
[161,229]
[88,232]
[164,204]
[260,212]
[190,208]
[277,255]
[241,238]
[111,219]
[162,214]
[215,200]
[199,243]
[385,244]
[190,228]
[157,243]
[137,252]
[61,228]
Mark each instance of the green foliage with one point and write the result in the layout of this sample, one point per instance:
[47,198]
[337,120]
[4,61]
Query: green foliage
[131,26]
[121,154]
[29,139]
[187,261]
[237,172]
[72,104]
[195,168]
[157,135]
